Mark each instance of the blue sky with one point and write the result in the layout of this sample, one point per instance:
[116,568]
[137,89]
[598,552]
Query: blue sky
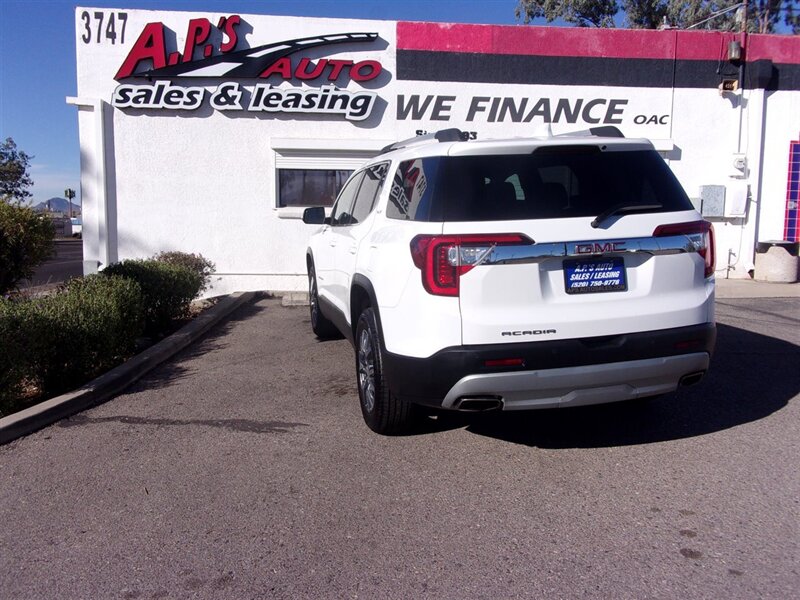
[37,63]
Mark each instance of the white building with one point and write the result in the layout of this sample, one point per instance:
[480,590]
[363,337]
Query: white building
[209,132]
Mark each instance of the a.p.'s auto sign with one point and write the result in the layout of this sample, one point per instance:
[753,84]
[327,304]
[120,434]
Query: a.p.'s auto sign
[219,58]
[481,87]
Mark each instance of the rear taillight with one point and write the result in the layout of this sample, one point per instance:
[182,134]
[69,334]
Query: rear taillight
[700,233]
[443,259]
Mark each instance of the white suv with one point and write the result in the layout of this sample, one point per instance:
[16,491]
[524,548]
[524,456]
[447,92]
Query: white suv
[513,274]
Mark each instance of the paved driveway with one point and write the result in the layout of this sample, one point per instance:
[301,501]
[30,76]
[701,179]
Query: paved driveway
[242,469]
[66,262]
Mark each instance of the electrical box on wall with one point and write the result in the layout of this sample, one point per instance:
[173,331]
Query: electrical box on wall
[739,165]
[736,199]
[724,201]
[712,199]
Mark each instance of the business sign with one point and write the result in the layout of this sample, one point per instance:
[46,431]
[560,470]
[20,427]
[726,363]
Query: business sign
[211,52]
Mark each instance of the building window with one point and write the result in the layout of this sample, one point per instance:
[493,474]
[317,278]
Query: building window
[310,187]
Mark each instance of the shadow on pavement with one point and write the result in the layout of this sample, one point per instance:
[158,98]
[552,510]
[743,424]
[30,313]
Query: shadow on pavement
[751,377]
[178,368]
[240,425]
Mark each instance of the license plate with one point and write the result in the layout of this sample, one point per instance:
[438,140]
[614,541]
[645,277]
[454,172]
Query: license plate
[588,276]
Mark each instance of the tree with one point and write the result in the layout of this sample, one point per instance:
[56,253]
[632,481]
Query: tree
[26,241]
[26,238]
[645,14]
[584,13]
[763,16]
[14,177]
[792,18]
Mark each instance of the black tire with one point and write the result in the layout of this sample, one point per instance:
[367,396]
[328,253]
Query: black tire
[320,325]
[383,412]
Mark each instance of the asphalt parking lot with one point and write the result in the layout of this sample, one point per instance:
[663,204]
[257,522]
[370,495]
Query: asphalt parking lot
[66,262]
[242,469]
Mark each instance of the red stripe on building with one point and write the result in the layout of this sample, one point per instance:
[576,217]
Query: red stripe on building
[590,42]
[780,49]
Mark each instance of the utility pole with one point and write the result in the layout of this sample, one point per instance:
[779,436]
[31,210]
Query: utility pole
[69,194]
[742,67]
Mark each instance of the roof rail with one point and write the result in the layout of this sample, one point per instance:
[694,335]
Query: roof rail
[443,135]
[604,131]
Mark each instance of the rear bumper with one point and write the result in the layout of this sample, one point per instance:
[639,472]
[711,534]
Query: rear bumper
[578,386]
[556,373]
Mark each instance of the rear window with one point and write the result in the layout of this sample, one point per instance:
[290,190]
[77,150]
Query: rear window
[552,183]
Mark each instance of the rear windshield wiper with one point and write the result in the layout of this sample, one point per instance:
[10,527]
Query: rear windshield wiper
[623,209]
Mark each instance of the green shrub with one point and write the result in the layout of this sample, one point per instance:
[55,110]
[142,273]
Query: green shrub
[194,262]
[26,241]
[86,329]
[167,290]
[63,340]
[14,356]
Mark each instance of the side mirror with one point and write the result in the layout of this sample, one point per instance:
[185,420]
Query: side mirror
[314,215]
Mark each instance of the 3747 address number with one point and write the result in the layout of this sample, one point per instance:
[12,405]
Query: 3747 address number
[99,26]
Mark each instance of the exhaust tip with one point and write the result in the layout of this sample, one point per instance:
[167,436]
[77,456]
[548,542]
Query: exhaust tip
[692,378]
[478,404]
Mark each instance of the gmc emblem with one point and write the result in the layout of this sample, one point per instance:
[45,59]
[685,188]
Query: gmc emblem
[599,247]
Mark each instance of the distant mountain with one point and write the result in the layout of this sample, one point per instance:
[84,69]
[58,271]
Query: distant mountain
[57,205]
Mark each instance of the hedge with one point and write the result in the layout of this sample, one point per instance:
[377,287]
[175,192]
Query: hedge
[14,354]
[61,341]
[167,290]
[196,263]
[56,343]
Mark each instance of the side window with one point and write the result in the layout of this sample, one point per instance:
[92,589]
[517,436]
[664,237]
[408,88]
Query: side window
[374,177]
[344,203]
[412,190]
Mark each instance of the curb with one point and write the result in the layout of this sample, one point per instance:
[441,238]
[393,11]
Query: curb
[727,289]
[117,379]
[295,299]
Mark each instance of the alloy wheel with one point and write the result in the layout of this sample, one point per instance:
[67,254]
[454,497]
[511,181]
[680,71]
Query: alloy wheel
[366,370]
[313,301]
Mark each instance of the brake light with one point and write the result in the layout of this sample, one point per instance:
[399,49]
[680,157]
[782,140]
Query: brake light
[443,259]
[701,233]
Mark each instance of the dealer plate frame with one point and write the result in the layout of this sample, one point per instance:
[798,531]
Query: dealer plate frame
[590,266]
